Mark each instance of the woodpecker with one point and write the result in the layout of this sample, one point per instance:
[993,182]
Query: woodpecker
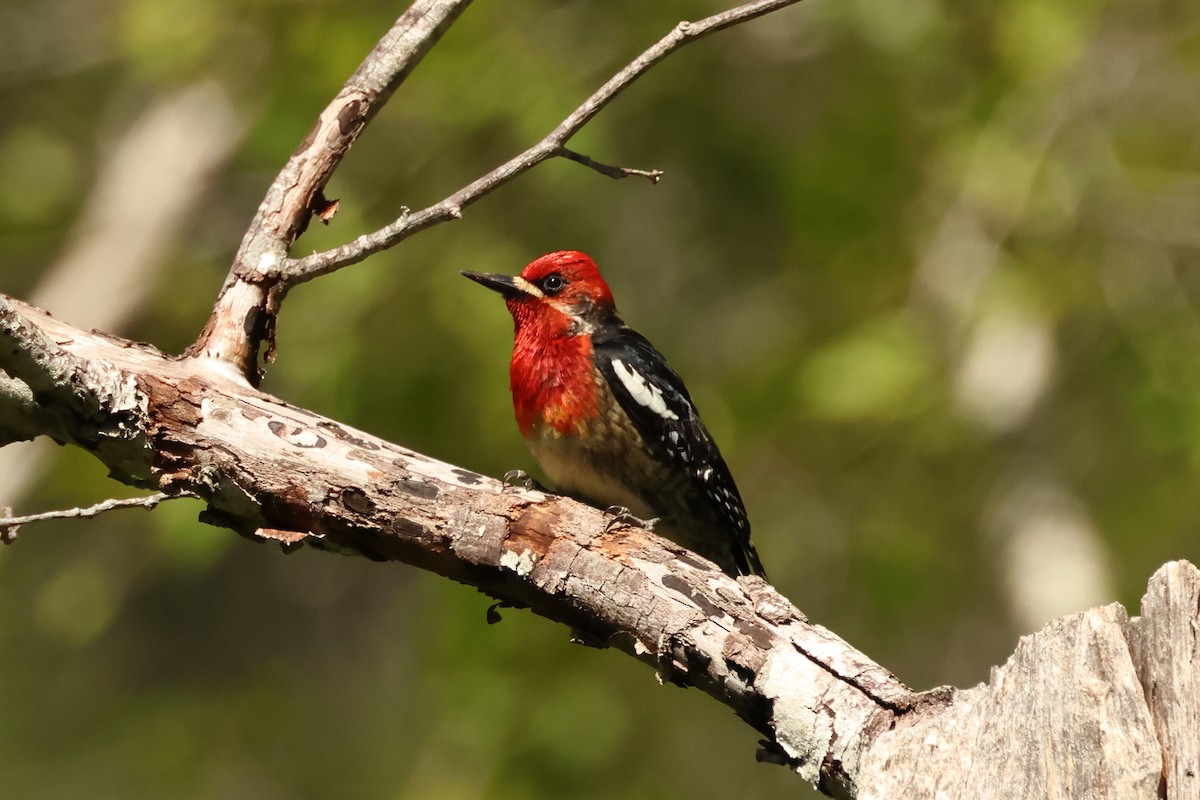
[607,419]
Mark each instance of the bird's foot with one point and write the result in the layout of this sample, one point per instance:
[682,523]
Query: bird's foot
[623,516]
[520,479]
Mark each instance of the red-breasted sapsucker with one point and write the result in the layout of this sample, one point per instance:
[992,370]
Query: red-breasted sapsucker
[607,419]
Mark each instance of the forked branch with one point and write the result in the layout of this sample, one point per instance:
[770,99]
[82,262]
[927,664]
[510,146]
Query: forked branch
[297,271]
[244,313]
[262,273]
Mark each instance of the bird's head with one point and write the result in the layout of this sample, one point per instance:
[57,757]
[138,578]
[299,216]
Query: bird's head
[560,293]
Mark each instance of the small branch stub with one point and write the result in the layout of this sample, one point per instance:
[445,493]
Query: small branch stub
[617,173]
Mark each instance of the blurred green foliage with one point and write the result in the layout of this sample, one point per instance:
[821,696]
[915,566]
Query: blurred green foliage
[930,269]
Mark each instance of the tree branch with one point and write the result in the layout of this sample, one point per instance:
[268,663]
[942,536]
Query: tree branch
[274,472]
[9,524]
[76,399]
[27,353]
[296,271]
[245,310]
[1096,702]
[21,418]
[616,173]
[262,273]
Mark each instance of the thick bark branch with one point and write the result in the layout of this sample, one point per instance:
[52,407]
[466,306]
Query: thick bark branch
[1096,705]
[271,471]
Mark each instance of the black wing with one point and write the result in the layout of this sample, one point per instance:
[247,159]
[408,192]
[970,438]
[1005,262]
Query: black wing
[654,397]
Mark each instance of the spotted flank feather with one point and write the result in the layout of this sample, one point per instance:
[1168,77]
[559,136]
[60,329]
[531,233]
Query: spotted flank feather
[656,400]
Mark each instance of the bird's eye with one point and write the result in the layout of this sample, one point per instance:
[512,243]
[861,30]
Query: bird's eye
[553,283]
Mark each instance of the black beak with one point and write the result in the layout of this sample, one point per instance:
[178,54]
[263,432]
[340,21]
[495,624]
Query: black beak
[497,283]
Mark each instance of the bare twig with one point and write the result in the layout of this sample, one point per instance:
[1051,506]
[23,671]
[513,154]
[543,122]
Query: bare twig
[296,271]
[616,173]
[10,524]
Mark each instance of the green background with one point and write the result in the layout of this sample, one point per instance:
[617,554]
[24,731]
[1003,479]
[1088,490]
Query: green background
[930,269]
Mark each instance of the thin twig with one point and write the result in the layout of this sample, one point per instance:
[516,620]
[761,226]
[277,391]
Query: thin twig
[616,173]
[9,525]
[296,271]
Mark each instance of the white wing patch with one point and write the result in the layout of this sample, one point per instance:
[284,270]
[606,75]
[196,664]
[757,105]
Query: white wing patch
[642,391]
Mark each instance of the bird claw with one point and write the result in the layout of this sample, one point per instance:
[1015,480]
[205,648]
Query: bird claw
[520,479]
[623,516]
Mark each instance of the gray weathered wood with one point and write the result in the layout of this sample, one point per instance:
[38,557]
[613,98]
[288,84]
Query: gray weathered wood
[1063,718]
[1166,645]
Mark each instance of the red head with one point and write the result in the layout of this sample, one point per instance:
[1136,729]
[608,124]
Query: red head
[557,302]
[559,293]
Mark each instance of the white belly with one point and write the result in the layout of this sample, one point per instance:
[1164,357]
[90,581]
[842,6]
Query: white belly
[573,471]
